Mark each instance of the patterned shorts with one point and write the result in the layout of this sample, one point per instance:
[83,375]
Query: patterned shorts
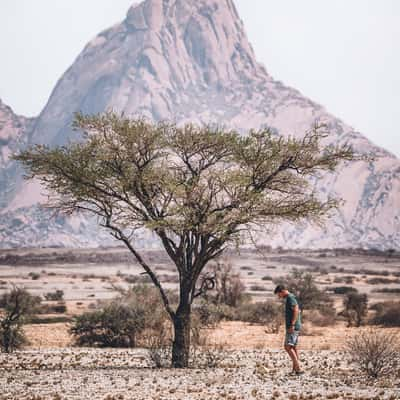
[291,339]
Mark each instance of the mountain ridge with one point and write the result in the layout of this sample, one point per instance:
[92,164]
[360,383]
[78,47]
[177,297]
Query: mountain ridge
[191,61]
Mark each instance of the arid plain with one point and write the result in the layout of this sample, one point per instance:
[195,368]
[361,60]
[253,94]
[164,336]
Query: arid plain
[241,361]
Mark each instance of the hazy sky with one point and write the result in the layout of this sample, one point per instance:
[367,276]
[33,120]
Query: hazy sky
[343,54]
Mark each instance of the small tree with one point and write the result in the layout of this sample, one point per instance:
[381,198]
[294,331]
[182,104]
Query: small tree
[375,351]
[303,285]
[224,285]
[355,308]
[387,313]
[18,306]
[196,188]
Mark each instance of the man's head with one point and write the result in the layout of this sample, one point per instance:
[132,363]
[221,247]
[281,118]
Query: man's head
[281,291]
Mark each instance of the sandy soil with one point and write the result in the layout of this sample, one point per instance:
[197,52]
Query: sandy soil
[228,335]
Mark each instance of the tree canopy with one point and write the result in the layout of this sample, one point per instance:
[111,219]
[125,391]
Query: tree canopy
[198,188]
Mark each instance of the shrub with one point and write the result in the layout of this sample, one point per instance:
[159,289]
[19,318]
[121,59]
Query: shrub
[266,278]
[387,313]
[34,275]
[376,352]
[380,281]
[355,308]
[387,290]
[343,289]
[121,322]
[347,279]
[303,286]
[58,308]
[19,306]
[258,288]
[325,316]
[114,326]
[141,279]
[211,314]
[267,313]
[54,296]
[227,287]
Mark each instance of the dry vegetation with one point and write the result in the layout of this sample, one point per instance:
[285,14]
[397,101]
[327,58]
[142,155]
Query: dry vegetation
[232,359]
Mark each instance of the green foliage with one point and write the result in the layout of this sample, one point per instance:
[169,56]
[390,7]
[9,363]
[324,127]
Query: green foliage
[19,306]
[302,285]
[114,326]
[121,322]
[199,189]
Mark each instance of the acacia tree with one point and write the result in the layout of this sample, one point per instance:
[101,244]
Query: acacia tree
[196,188]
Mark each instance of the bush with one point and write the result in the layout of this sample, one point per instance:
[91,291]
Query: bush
[267,313]
[325,316]
[387,313]
[266,278]
[387,290]
[114,326]
[122,321]
[303,286]
[347,279]
[54,296]
[258,288]
[355,308]
[376,352]
[227,287]
[211,314]
[380,281]
[19,307]
[34,275]
[343,289]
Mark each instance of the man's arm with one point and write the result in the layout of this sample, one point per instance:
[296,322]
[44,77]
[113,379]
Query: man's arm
[296,311]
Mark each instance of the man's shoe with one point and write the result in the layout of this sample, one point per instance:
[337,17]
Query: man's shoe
[299,372]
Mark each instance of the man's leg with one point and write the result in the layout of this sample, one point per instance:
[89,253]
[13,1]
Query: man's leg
[291,350]
[297,353]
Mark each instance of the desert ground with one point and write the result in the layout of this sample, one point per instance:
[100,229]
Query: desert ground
[241,361]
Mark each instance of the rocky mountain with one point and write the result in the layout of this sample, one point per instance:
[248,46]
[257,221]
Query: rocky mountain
[190,60]
[14,130]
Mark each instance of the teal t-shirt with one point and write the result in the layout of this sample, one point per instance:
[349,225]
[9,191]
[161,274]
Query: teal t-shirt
[291,301]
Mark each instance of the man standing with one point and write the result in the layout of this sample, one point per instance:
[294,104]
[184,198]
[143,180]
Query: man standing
[293,325]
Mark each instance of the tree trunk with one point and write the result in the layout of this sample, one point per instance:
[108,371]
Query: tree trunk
[181,344]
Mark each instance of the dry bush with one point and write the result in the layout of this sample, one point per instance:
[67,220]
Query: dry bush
[54,296]
[158,342]
[267,313]
[381,281]
[387,313]
[347,279]
[258,288]
[211,314]
[342,289]
[322,317]
[228,287]
[302,285]
[375,351]
[355,308]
